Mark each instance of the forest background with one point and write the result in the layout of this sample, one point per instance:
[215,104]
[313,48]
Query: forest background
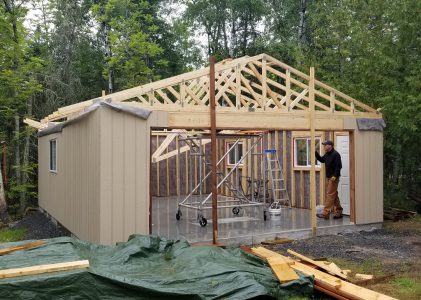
[56,52]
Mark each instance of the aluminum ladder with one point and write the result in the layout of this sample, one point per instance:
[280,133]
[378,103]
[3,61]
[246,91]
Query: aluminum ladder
[279,192]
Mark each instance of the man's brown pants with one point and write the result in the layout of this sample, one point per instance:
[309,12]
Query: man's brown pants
[332,199]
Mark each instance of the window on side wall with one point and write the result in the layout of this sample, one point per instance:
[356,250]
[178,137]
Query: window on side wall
[53,155]
[235,154]
[302,152]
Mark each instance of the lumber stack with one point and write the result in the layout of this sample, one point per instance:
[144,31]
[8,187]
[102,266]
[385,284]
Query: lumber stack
[323,281]
[396,214]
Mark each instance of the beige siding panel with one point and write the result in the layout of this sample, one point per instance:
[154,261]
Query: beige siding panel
[368,176]
[71,195]
[125,157]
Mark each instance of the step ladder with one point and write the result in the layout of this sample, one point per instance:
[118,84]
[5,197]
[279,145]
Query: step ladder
[275,175]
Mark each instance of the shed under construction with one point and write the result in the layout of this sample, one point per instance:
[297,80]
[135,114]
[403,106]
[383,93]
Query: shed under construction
[105,164]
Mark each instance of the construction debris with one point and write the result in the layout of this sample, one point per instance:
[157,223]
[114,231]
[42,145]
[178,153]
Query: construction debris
[363,276]
[41,269]
[396,214]
[328,266]
[277,241]
[374,280]
[22,247]
[324,282]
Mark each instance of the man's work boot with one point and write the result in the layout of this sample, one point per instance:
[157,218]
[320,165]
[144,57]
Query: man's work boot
[322,216]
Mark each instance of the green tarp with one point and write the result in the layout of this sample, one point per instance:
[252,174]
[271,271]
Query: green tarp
[145,267]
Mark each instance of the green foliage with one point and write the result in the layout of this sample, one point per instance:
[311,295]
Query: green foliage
[12,235]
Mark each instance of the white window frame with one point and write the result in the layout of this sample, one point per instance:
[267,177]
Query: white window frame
[308,154]
[230,155]
[50,161]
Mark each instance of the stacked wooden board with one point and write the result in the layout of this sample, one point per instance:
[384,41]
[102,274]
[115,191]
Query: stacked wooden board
[324,282]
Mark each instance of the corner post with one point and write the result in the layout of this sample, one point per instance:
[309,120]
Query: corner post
[312,156]
[213,148]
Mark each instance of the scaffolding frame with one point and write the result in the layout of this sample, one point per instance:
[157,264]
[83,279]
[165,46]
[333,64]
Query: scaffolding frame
[239,199]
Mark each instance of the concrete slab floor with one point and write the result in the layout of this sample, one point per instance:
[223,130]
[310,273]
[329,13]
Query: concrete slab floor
[248,227]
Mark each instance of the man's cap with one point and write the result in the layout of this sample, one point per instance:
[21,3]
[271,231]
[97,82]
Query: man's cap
[328,142]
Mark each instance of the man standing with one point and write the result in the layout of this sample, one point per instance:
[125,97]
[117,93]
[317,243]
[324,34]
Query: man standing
[333,162]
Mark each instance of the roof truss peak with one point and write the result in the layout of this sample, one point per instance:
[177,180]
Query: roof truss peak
[254,83]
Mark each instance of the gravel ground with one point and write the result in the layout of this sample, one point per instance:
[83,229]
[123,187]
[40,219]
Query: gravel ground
[39,226]
[385,244]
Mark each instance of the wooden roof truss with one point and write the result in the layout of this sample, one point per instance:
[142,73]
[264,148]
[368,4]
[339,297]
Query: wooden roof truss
[258,83]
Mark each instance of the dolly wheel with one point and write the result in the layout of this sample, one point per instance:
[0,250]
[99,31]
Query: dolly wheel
[178,215]
[203,221]
[264,216]
[236,210]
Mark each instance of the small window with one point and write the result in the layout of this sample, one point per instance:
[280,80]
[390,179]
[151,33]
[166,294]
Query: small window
[53,155]
[302,152]
[235,154]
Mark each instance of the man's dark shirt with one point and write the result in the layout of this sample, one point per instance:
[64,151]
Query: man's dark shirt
[333,162]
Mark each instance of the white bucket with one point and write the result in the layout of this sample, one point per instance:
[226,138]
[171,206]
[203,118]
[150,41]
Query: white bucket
[319,209]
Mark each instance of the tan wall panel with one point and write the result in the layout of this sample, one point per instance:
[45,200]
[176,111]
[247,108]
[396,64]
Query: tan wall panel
[125,157]
[71,195]
[368,176]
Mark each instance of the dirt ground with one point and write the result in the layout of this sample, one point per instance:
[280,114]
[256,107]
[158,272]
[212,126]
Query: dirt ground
[393,250]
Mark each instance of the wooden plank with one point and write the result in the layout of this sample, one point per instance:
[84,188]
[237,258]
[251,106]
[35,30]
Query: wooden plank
[334,270]
[312,108]
[165,143]
[41,269]
[322,184]
[180,150]
[266,88]
[26,246]
[298,98]
[263,81]
[326,281]
[302,187]
[251,91]
[168,175]
[157,172]
[35,124]
[238,86]
[288,89]
[282,270]
[177,167]
[284,157]
[277,241]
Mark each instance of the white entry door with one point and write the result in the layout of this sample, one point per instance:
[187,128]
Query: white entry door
[342,146]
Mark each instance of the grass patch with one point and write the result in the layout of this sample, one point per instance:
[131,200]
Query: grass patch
[373,266]
[408,288]
[12,235]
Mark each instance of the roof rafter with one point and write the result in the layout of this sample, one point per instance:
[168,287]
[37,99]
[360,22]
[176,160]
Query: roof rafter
[254,82]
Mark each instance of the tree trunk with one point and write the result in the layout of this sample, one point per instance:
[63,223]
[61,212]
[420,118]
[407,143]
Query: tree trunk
[108,54]
[17,152]
[25,177]
[302,26]
[233,41]
[4,216]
